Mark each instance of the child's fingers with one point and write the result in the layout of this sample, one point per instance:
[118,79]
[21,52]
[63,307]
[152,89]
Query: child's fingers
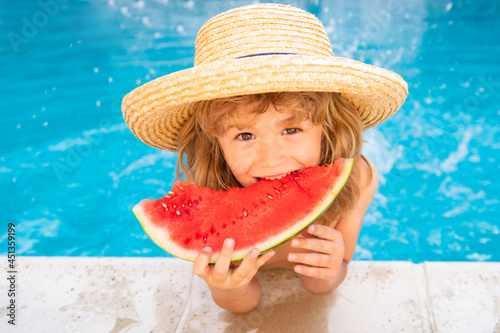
[253,261]
[315,272]
[263,259]
[315,244]
[201,263]
[325,232]
[326,240]
[221,267]
[313,259]
[247,265]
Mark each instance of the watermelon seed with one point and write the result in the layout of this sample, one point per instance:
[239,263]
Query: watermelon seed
[171,192]
[168,197]
[245,213]
[183,205]
[181,187]
[178,213]
[163,204]
[277,191]
[270,197]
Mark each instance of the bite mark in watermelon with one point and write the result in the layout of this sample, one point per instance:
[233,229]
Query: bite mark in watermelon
[262,215]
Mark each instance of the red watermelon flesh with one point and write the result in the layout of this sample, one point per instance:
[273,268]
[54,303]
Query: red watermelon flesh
[262,215]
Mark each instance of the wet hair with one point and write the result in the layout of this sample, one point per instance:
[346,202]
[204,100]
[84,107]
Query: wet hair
[201,158]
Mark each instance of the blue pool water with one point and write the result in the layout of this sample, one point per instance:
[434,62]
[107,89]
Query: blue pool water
[71,171]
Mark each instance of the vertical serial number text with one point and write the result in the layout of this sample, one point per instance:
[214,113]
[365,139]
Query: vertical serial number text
[11,273]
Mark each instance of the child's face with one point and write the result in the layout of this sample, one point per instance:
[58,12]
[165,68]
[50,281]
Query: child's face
[268,148]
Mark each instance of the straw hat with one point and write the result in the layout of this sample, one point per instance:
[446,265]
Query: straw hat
[259,49]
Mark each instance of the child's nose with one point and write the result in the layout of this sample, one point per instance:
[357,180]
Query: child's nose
[271,154]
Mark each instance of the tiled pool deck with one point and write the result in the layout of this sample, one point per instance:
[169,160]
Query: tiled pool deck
[81,294]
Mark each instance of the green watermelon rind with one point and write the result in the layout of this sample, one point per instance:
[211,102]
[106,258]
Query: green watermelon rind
[265,246]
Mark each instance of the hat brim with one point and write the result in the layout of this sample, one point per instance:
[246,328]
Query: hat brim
[156,111]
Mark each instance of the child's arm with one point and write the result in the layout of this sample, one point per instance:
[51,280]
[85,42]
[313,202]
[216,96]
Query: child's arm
[325,267]
[237,290]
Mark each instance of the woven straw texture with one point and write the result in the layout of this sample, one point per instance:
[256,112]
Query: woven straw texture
[259,49]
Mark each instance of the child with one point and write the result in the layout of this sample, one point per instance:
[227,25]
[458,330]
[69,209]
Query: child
[267,97]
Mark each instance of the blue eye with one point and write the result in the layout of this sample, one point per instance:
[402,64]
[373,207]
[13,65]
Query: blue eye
[245,136]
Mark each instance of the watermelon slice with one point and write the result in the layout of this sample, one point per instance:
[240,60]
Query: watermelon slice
[262,215]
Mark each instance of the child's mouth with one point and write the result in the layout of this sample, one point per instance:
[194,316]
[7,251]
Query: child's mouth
[275,177]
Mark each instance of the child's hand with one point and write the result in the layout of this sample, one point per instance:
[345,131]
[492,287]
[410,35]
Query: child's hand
[325,256]
[223,280]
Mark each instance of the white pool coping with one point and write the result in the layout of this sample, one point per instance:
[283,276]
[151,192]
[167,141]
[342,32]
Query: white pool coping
[103,294]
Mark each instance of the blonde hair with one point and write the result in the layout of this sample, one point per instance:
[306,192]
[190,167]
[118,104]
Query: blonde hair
[201,158]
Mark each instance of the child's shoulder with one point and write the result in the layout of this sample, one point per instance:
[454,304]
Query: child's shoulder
[367,176]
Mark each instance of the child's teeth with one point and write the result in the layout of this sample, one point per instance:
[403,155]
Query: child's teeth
[279,177]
